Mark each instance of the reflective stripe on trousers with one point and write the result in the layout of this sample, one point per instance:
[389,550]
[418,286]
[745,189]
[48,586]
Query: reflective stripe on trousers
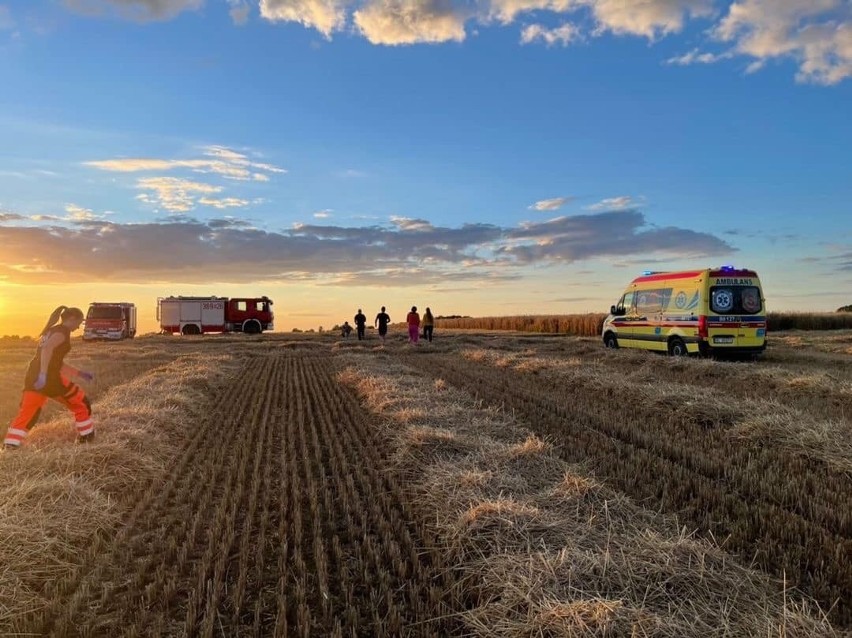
[32,402]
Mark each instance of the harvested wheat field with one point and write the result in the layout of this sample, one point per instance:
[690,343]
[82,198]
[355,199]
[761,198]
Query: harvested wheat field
[482,485]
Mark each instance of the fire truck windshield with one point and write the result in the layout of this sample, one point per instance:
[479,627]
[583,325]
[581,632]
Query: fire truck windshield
[105,312]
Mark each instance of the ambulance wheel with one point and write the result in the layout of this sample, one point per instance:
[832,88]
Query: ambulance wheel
[610,340]
[191,329]
[677,348]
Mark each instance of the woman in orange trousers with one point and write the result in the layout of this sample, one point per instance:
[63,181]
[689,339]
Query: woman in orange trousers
[48,377]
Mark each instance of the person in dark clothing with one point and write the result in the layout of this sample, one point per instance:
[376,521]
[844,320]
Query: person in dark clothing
[428,324]
[382,320]
[48,377]
[360,324]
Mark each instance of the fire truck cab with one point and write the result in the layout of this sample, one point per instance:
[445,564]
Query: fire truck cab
[110,320]
[200,315]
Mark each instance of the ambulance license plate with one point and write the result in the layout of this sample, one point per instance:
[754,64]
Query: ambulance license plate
[723,339]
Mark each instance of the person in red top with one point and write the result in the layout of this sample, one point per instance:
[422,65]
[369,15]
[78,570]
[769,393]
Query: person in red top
[413,325]
[48,378]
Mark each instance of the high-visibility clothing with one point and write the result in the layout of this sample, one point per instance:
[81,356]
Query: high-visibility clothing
[72,397]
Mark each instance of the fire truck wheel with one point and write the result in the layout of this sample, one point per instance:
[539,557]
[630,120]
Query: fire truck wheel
[251,327]
[191,329]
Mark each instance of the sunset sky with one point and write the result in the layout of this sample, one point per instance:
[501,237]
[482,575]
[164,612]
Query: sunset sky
[482,157]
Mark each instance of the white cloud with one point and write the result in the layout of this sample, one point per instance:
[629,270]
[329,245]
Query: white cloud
[80,214]
[220,160]
[623,202]
[395,22]
[551,204]
[817,34]
[225,202]
[323,214]
[140,10]
[505,11]
[173,194]
[648,18]
[563,35]
[697,57]
[326,16]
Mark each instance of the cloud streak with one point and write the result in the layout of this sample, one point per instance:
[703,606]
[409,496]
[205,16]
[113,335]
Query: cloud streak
[622,202]
[551,204]
[180,195]
[233,250]
[218,160]
[612,233]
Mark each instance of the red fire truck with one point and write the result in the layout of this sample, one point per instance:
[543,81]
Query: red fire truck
[110,320]
[199,315]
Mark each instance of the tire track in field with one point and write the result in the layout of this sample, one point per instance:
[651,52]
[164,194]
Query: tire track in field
[356,560]
[277,519]
[675,471]
[142,566]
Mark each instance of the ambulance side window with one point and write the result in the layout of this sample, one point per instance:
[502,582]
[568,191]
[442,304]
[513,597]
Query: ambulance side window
[626,304]
[653,301]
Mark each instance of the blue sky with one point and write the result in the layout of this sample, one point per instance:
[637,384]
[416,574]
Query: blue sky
[481,156]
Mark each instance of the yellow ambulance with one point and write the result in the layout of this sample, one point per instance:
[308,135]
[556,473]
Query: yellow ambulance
[710,311]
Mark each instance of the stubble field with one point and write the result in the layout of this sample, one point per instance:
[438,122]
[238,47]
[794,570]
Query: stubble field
[486,484]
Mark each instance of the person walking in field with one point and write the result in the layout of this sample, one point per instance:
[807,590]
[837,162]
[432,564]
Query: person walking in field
[413,320]
[48,377]
[382,320]
[360,324]
[428,324]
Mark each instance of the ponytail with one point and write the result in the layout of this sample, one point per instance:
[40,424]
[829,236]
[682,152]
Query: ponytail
[54,317]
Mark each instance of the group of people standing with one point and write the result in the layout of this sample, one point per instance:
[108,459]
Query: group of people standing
[383,319]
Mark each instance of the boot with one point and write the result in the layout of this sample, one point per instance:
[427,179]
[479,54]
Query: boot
[86,438]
